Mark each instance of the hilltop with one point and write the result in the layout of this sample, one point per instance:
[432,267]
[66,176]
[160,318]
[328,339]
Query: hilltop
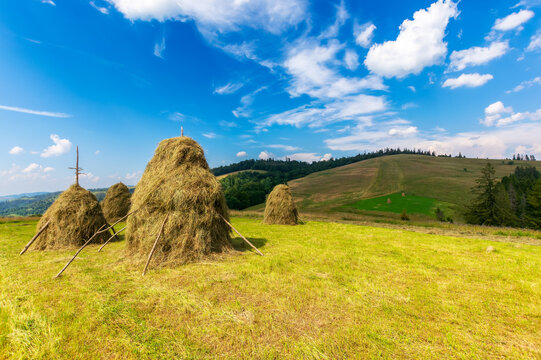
[445,180]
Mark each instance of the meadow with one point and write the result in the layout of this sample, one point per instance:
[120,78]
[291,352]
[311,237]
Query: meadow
[322,291]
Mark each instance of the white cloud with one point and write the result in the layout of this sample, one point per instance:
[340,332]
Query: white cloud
[341,16]
[219,15]
[90,177]
[477,55]
[159,48]
[244,110]
[48,169]
[97,152]
[265,155]
[525,84]
[16,150]
[311,66]
[242,154]
[403,131]
[210,135]
[133,177]
[468,80]
[491,143]
[61,146]
[305,157]
[284,147]
[499,115]
[513,21]
[418,45]
[351,59]
[409,105]
[535,41]
[412,88]
[229,88]
[34,112]
[32,167]
[326,157]
[229,124]
[49,2]
[317,114]
[101,9]
[364,34]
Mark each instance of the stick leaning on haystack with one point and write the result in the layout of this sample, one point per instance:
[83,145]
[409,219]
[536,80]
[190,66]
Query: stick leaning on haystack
[35,237]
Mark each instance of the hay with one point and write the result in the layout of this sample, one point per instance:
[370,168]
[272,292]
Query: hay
[280,207]
[177,182]
[116,203]
[74,217]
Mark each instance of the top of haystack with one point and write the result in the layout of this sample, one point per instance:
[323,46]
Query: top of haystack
[116,203]
[280,207]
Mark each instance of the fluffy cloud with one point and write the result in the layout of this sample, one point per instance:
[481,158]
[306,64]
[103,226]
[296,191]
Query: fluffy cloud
[229,88]
[311,66]
[242,154]
[477,55]
[221,15]
[61,146]
[326,157]
[16,150]
[265,155]
[34,112]
[49,2]
[306,157]
[90,177]
[492,143]
[32,167]
[317,114]
[468,80]
[418,45]
[535,42]
[210,135]
[101,9]
[403,131]
[513,21]
[351,59]
[525,84]
[364,34]
[499,115]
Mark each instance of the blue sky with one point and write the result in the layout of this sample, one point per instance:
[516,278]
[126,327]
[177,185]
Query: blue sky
[258,79]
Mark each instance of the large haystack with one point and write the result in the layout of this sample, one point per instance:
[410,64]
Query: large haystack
[73,218]
[116,203]
[280,207]
[177,183]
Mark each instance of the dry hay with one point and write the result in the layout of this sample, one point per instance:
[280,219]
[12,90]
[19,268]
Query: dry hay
[177,183]
[116,203]
[73,218]
[280,207]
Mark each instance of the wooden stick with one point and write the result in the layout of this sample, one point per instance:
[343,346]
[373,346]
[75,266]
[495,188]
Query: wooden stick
[112,236]
[35,237]
[78,251]
[113,230]
[249,243]
[154,246]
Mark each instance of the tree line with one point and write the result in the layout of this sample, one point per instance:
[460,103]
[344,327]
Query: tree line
[515,200]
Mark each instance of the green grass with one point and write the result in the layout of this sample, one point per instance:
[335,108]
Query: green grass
[413,204]
[440,178]
[322,291]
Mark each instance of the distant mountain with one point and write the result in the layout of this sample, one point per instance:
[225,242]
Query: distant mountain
[37,203]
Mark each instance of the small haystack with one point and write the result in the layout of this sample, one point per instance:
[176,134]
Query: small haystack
[116,203]
[178,184]
[280,207]
[71,220]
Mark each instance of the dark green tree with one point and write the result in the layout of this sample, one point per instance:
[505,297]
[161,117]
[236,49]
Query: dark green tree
[533,206]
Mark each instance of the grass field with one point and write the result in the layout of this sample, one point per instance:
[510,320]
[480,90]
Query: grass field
[442,179]
[322,291]
[411,203]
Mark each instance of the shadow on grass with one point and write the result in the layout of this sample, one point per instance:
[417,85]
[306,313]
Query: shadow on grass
[240,245]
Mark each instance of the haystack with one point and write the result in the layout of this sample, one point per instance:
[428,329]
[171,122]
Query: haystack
[72,219]
[116,203]
[177,183]
[280,207]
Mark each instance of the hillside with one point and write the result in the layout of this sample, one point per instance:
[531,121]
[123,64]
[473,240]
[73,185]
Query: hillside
[444,179]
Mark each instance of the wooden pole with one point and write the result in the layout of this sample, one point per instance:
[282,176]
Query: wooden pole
[249,243]
[81,249]
[77,168]
[154,246]
[112,236]
[35,237]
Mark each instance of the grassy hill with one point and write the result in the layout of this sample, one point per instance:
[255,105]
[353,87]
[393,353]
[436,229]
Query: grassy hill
[322,291]
[443,180]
